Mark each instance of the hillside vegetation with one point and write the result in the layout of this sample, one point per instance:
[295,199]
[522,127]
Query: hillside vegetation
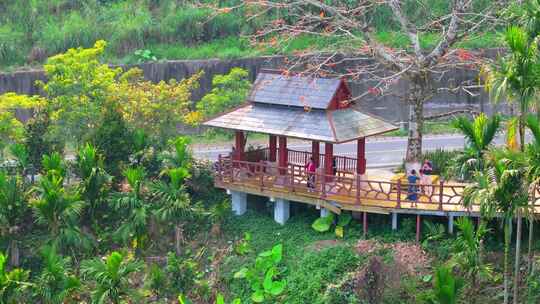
[143,30]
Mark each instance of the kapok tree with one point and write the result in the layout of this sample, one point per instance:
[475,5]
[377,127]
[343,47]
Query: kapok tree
[358,55]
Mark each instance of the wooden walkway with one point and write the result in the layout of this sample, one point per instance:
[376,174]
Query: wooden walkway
[342,192]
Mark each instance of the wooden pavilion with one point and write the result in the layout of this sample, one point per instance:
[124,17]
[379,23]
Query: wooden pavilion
[319,110]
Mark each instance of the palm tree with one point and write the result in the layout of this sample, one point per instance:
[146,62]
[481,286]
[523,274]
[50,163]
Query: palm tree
[517,76]
[134,206]
[468,254]
[479,135]
[56,283]
[173,203]
[13,211]
[12,283]
[20,153]
[501,188]
[180,157]
[533,164]
[94,180]
[111,277]
[59,210]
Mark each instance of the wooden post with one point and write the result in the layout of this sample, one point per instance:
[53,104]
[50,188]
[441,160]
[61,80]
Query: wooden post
[283,155]
[272,148]
[418,224]
[399,193]
[240,142]
[358,189]
[364,222]
[315,152]
[328,160]
[441,193]
[361,156]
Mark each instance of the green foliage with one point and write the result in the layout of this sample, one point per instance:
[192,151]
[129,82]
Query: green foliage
[182,272]
[113,139]
[221,300]
[56,283]
[228,91]
[446,286]
[323,224]
[533,284]
[156,280]
[58,208]
[264,276]
[95,181]
[134,208]
[12,283]
[111,277]
[37,141]
[243,247]
[479,135]
[443,162]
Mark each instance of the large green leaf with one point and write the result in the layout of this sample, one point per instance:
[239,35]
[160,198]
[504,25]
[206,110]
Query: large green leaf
[278,287]
[257,296]
[323,224]
[277,253]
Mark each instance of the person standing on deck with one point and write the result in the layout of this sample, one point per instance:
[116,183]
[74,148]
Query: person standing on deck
[412,194]
[311,169]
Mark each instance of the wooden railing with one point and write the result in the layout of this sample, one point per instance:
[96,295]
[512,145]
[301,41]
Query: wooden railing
[344,164]
[344,189]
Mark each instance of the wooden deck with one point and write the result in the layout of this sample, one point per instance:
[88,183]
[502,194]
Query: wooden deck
[343,192]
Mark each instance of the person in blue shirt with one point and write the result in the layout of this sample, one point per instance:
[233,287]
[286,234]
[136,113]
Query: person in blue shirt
[412,191]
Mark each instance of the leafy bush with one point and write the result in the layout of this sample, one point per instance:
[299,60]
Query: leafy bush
[182,272]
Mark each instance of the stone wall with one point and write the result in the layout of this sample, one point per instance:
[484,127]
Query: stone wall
[390,107]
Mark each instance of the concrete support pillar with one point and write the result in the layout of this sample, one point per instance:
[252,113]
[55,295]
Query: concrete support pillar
[281,211]
[451,224]
[325,212]
[361,156]
[394,221]
[239,202]
[364,222]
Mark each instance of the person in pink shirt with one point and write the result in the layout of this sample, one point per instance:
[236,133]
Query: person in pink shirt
[311,169]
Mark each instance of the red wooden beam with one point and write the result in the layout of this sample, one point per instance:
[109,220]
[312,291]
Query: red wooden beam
[283,154]
[315,152]
[272,144]
[239,145]
[361,156]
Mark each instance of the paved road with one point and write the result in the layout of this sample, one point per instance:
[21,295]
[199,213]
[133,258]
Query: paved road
[380,152]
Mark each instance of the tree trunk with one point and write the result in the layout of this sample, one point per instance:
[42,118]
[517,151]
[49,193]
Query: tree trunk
[507,239]
[521,127]
[530,253]
[518,254]
[178,239]
[418,91]
[14,253]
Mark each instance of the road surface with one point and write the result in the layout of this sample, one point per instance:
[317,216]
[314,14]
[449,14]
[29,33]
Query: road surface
[380,152]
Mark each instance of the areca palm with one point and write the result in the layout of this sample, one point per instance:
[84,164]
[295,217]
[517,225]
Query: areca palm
[59,210]
[111,277]
[56,283]
[13,210]
[533,164]
[180,157]
[501,188]
[468,253]
[134,206]
[518,75]
[479,135]
[173,203]
[94,179]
